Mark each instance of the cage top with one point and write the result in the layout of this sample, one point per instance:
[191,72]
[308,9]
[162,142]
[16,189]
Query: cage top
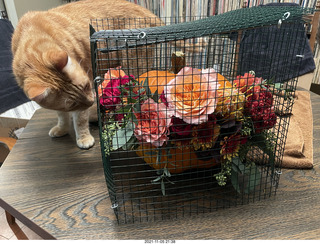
[231,21]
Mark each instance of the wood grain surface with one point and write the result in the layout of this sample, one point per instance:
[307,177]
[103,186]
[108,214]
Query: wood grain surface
[59,191]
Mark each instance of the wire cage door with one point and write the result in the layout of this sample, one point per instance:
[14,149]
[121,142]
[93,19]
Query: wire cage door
[193,115]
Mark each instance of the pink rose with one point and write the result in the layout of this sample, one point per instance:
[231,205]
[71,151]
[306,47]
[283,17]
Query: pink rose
[153,125]
[192,94]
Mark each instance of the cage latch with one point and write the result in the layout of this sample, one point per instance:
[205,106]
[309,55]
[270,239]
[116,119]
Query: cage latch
[115,205]
[141,35]
[98,80]
[285,16]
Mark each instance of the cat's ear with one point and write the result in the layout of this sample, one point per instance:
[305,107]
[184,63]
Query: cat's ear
[58,59]
[36,92]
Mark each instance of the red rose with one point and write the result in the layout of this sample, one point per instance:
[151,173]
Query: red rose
[111,95]
[180,127]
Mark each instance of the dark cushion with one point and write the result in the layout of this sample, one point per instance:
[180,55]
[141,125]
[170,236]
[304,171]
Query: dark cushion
[11,95]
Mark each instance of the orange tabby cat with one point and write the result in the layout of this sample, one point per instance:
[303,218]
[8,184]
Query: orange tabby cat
[52,60]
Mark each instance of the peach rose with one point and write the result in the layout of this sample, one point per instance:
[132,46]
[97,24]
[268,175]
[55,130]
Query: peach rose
[154,121]
[192,94]
[243,83]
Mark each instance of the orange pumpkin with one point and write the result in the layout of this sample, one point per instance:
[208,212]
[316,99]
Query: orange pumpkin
[157,79]
[224,84]
[177,162]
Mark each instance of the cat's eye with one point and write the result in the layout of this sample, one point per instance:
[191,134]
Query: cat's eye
[87,87]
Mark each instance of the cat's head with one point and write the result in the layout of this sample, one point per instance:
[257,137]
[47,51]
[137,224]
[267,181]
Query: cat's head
[55,81]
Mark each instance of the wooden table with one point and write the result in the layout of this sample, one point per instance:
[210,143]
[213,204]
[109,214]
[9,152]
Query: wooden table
[59,191]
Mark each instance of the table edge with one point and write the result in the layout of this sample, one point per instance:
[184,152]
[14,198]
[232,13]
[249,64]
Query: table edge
[23,219]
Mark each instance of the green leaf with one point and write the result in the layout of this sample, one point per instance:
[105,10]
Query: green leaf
[166,172]
[157,179]
[155,96]
[147,88]
[130,144]
[137,107]
[133,117]
[122,136]
[141,90]
[254,179]
[278,85]
[251,174]
[131,100]
[123,110]
[158,160]
[235,180]
[163,188]
[270,81]
[238,165]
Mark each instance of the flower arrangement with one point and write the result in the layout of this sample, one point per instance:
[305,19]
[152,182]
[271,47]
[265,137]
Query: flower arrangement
[199,120]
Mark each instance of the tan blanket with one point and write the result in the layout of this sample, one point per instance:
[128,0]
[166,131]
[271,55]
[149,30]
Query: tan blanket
[298,152]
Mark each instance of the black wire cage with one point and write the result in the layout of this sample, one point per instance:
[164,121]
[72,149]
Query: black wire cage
[193,115]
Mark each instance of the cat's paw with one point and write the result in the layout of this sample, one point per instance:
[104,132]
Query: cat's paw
[57,131]
[85,142]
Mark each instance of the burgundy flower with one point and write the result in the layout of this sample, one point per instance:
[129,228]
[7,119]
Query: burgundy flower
[181,132]
[259,107]
[243,140]
[212,118]
[266,120]
[163,99]
[180,127]
[205,135]
[111,95]
[230,146]
[260,97]
[119,118]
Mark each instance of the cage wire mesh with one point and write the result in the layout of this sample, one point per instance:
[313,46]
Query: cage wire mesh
[193,116]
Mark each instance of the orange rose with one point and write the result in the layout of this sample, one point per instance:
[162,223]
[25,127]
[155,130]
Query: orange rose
[192,94]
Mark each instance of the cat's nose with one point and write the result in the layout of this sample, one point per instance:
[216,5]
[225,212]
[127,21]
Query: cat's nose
[90,100]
